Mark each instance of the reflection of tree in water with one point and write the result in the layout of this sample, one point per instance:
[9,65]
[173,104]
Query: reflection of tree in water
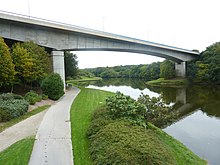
[207,97]
[204,97]
[134,83]
[168,94]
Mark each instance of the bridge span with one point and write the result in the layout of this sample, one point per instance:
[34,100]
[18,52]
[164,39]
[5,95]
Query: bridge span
[60,37]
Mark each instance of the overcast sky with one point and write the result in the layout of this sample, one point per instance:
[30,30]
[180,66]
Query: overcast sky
[188,24]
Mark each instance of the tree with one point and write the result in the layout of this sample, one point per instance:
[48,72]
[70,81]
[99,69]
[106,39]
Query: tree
[7,70]
[71,64]
[41,62]
[211,58]
[207,67]
[23,63]
[167,69]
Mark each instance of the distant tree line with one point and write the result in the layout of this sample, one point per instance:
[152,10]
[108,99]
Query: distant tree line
[148,72]
[206,69]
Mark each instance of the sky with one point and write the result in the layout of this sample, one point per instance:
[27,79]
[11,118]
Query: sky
[188,24]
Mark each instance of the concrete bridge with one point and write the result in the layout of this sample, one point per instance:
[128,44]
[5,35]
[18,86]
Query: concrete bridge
[60,37]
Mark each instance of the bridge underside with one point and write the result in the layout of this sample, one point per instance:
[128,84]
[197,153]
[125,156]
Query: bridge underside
[58,38]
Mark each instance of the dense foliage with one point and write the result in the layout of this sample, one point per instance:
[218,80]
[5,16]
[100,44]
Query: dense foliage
[207,67]
[117,140]
[53,86]
[32,97]
[157,111]
[167,69]
[148,72]
[71,65]
[120,106]
[23,63]
[40,58]
[7,71]
[27,63]
[12,106]
[122,143]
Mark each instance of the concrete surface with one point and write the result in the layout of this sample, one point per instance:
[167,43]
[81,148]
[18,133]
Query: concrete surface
[53,145]
[23,129]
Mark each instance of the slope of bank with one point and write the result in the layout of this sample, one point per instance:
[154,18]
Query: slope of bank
[170,82]
[109,143]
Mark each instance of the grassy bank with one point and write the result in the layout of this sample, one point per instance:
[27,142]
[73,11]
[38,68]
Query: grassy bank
[82,109]
[84,79]
[121,142]
[14,121]
[171,82]
[19,153]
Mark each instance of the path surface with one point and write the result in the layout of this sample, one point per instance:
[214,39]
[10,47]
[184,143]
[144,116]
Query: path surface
[53,145]
[23,129]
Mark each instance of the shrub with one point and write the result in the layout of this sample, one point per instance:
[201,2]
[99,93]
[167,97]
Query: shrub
[158,113]
[44,97]
[99,120]
[120,106]
[10,96]
[12,108]
[121,142]
[53,86]
[6,96]
[32,97]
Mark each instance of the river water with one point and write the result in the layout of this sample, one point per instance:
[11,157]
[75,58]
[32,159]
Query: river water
[199,107]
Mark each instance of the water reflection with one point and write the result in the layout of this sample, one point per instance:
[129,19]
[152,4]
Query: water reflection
[199,107]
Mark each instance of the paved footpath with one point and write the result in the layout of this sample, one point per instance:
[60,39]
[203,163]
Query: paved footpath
[23,129]
[53,145]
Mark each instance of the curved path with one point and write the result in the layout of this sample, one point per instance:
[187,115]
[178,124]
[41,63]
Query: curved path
[53,145]
[21,130]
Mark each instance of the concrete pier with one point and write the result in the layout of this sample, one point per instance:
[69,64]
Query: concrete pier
[180,69]
[58,64]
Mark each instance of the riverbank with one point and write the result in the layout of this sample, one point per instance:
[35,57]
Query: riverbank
[84,79]
[81,114]
[170,82]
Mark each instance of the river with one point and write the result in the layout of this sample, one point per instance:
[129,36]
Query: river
[199,107]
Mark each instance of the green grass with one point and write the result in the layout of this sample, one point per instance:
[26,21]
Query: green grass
[14,121]
[171,82]
[82,109]
[180,152]
[18,153]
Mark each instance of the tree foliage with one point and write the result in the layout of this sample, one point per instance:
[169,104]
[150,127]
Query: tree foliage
[41,65]
[7,70]
[71,64]
[23,63]
[120,106]
[147,72]
[167,70]
[207,67]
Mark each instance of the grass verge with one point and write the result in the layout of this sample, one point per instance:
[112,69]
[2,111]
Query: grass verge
[14,121]
[18,153]
[171,82]
[82,109]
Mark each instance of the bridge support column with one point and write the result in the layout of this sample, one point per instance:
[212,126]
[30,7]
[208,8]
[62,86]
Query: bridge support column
[180,69]
[58,64]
